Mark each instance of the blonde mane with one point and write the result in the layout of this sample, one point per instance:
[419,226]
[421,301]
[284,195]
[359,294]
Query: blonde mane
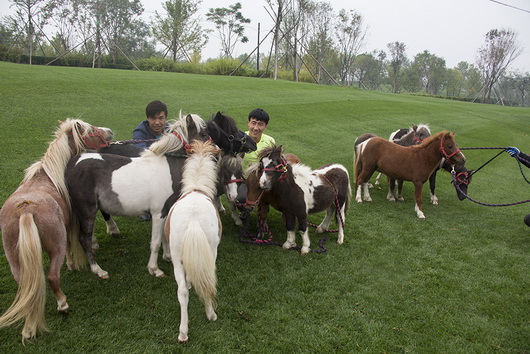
[170,142]
[59,152]
[200,169]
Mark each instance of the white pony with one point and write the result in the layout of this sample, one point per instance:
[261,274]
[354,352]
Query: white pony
[193,228]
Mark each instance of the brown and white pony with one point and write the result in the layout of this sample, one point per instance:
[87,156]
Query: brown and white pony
[410,163]
[260,197]
[300,191]
[37,217]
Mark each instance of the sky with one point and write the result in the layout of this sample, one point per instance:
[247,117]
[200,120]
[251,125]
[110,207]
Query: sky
[451,29]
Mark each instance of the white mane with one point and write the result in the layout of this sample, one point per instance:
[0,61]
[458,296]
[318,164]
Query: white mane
[171,142]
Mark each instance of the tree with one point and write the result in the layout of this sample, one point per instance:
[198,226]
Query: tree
[229,24]
[350,35]
[320,46]
[368,69]
[30,16]
[179,33]
[495,56]
[397,60]
[429,70]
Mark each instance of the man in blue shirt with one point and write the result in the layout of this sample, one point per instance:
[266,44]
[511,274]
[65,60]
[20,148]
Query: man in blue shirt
[153,127]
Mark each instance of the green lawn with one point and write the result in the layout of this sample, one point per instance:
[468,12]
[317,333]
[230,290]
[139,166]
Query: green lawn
[456,282]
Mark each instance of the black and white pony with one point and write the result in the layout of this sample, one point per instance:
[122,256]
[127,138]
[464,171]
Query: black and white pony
[194,230]
[300,191]
[125,186]
[233,143]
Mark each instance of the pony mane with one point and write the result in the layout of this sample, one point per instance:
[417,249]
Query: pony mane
[230,162]
[423,126]
[59,152]
[428,141]
[271,151]
[200,169]
[170,142]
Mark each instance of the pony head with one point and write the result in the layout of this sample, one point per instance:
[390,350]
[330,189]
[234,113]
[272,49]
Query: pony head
[224,132]
[180,133]
[273,166]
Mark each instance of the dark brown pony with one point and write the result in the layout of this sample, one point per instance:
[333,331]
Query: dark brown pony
[38,216]
[261,197]
[411,163]
[299,191]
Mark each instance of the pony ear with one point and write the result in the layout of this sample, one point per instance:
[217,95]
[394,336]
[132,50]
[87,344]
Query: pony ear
[414,127]
[60,122]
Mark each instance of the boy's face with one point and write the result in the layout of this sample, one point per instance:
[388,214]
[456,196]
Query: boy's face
[256,128]
[157,123]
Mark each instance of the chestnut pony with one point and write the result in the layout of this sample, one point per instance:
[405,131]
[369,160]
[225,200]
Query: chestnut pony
[37,217]
[410,163]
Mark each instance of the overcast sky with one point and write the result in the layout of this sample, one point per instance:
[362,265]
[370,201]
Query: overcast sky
[451,29]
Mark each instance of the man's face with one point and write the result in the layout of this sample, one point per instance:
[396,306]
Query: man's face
[157,123]
[256,128]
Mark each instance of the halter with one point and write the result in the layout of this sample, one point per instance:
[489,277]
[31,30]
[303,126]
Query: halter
[231,138]
[186,145]
[235,180]
[442,150]
[280,168]
[98,133]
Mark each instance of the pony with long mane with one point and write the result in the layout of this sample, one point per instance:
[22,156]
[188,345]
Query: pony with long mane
[37,217]
[410,163]
[124,186]
[300,191]
[194,229]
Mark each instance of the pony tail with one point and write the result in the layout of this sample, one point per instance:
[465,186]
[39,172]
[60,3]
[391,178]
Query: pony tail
[198,262]
[30,300]
[76,256]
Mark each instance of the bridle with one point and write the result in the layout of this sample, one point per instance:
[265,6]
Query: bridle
[231,138]
[444,153]
[96,133]
[280,168]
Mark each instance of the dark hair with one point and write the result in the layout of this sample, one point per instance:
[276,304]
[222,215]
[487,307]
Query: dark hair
[259,114]
[154,107]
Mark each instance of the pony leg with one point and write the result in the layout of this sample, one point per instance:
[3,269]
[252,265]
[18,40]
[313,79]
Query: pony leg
[432,186]
[156,239]
[234,213]
[305,242]
[183,298]
[358,194]
[367,197]
[219,205]
[95,244]
[400,189]
[85,238]
[112,228]
[377,178]
[54,279]
[324,225]
[391,187]
[291,240]
[417,195]
[340,239]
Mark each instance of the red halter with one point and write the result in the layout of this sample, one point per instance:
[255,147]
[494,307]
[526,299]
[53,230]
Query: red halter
[446,155]
[281,168]
[98,133]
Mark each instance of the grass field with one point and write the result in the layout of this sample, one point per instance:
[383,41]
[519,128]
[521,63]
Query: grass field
[456,282]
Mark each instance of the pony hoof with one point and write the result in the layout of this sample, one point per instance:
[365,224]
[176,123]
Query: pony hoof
[304,250]
[117,236]
[104,276]
[157,273]
[238,222]
[183,339]
[288,245]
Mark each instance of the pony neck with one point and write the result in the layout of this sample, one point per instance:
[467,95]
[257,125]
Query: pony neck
[200,174]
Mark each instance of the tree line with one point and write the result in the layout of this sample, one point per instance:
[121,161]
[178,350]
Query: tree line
[309,42]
